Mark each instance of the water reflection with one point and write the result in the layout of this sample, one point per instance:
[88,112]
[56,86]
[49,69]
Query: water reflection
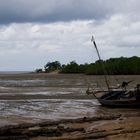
[27,98]
[48,108]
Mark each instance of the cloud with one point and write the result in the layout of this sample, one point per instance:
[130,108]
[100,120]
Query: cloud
[37,31]
[21,11]
[32,45]
[46,11]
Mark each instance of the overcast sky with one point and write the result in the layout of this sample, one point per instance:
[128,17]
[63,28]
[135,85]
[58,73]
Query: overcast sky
[33,32]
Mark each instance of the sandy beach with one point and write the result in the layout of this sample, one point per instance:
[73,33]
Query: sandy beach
[118,127]
[55,107]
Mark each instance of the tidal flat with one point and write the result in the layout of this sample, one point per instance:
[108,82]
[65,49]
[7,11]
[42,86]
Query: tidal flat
[55,106]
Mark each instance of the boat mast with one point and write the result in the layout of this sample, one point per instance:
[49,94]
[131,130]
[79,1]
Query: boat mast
[94,43]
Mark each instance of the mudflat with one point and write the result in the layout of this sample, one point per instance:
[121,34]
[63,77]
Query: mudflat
[56,107]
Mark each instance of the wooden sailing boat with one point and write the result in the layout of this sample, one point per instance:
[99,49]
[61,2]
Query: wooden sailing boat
[116,97]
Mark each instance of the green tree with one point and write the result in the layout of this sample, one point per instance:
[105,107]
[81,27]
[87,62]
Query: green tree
[112,66]
[38,70]
[52,66]
[71,67]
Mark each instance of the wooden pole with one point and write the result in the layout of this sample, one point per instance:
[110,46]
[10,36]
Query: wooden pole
[105,73]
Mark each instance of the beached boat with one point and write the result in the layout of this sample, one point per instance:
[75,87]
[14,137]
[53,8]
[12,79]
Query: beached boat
[120,97]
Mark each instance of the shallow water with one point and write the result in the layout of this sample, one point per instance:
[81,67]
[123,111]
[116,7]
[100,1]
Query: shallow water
[38,97]
[47,108]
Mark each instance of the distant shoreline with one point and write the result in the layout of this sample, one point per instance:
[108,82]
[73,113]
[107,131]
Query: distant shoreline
[15,72]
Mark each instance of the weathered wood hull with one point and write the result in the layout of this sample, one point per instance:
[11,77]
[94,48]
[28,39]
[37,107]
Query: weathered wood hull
[120,103]
[111,101]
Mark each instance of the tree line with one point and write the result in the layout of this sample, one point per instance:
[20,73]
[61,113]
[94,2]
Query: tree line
[112,66]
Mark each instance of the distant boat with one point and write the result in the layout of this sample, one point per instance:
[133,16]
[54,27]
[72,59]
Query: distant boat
[112,97]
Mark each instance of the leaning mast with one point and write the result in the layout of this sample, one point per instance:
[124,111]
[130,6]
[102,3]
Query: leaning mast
[94,43]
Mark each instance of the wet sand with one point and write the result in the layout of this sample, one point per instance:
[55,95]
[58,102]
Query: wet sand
[104,127]
[50,106]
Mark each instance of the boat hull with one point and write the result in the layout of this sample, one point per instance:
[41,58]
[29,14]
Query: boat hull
[115,99]
[120,103]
